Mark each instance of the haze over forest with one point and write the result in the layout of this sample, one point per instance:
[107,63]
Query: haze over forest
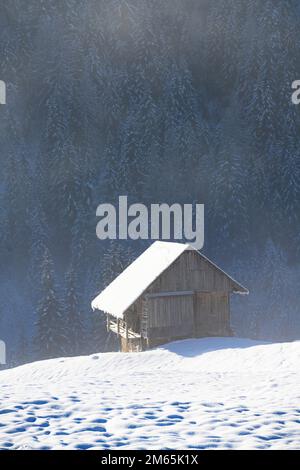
[163,101]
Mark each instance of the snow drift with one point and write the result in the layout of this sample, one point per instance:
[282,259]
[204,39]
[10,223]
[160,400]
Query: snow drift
[218,393]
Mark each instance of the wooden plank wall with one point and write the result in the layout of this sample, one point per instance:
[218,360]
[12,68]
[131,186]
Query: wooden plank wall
[171,316]
[212,313]
[191,272]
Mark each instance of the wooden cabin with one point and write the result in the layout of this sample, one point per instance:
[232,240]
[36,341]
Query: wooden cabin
[170,292]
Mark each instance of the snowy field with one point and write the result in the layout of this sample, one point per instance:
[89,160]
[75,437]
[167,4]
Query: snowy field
[216,393]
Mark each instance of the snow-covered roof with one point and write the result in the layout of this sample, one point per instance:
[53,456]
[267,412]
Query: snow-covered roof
[123,291]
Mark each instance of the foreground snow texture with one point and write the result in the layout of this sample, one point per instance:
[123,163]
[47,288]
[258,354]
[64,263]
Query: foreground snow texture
[211,393]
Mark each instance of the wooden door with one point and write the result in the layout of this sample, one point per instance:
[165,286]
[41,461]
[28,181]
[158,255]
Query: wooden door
[211,313]
[170,316]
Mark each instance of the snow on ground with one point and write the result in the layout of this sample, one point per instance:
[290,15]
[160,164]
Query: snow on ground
[215,393]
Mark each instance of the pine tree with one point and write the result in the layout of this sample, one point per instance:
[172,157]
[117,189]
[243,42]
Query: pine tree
[275,292]
[40,238]
[228,172]
[51,326]
[76,336]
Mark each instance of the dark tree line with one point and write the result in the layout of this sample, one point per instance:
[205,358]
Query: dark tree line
[163,101]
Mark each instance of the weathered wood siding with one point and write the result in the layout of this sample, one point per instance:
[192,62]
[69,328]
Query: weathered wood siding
[131,345]
[191,272]
[170,317]
[204,312]
[201,314]
[211,314]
